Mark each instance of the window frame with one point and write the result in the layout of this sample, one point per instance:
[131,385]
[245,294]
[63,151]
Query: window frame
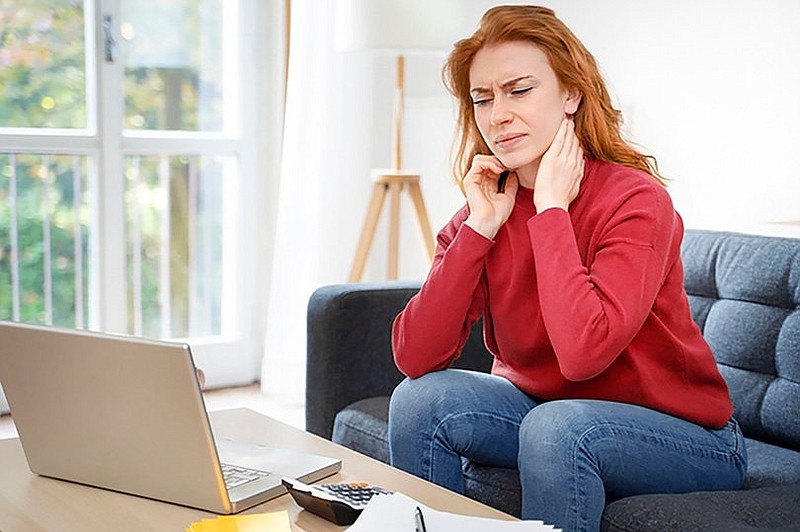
[233,357]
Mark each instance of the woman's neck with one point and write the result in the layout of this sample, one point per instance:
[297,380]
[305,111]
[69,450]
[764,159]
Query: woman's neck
[527,174]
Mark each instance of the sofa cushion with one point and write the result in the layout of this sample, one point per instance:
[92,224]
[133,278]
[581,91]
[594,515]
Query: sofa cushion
[774,508]
[363,427]
[744,291]
[770,465]
[494,486]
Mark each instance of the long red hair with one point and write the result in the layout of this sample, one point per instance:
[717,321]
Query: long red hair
[597,123]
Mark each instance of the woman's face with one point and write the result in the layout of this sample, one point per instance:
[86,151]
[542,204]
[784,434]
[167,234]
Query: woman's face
[518,103]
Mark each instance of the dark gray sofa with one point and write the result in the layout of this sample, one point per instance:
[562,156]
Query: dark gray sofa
[744,292]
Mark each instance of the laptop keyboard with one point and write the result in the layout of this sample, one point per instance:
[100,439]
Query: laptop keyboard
[236,476]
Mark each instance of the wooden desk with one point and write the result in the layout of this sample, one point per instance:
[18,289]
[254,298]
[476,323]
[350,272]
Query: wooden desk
[32,503]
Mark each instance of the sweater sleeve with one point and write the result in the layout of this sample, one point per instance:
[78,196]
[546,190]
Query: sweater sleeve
[592,310]
[430,332]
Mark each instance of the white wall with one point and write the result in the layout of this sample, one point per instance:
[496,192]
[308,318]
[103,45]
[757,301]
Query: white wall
[707,87]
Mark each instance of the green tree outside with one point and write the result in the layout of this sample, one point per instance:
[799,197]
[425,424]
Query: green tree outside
[43,85]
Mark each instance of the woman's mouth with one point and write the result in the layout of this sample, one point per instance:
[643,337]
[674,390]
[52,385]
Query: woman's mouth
[508,141]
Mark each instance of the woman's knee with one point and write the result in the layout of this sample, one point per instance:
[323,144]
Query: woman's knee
[555,425]
[416,408]
[412,392]
[423,396]
[439,395]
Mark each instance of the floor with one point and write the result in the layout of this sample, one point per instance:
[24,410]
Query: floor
[287,410]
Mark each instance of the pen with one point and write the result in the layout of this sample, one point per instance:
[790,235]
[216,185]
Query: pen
[419,520]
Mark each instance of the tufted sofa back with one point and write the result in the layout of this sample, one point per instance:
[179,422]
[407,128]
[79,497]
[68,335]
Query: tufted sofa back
[744,291]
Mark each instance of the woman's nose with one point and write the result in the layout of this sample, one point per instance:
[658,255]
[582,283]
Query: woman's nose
[500,112]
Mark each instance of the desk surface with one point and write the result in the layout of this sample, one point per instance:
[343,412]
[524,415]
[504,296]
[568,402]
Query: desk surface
[31,503]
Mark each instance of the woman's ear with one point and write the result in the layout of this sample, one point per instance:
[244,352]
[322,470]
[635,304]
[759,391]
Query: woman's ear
[572,102]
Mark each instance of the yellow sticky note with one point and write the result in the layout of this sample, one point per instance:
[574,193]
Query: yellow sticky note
[271,522]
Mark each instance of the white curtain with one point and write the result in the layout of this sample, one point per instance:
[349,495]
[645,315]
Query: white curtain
[337,129]
[324,186]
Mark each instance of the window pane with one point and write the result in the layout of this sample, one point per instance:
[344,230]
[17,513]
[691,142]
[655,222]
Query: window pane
[44,231]
[42,64]
[175,209]
[173,65]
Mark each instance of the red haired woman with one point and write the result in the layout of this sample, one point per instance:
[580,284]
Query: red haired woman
[602,386]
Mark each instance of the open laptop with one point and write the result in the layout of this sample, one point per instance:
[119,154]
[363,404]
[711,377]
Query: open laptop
[127,414]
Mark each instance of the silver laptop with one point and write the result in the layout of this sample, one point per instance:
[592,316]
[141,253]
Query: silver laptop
[127,414]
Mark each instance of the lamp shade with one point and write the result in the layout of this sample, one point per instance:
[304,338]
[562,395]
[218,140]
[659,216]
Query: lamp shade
[398,26]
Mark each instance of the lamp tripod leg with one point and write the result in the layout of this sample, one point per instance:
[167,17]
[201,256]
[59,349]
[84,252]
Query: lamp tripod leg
[392,268]
[368,232]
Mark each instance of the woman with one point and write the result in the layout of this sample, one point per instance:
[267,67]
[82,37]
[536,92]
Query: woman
[602,385]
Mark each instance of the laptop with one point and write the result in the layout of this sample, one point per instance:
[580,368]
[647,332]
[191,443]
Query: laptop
[127,414]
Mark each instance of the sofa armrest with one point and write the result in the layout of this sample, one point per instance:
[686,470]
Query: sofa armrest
[349,346]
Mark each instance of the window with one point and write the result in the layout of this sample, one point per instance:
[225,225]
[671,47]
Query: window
[122,195]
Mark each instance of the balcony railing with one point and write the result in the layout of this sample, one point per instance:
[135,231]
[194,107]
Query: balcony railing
[172,241]
[44,236]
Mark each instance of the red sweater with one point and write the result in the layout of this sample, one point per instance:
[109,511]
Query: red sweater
[585,304]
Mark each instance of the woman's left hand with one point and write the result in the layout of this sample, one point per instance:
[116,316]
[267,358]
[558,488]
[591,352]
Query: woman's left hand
[560,171]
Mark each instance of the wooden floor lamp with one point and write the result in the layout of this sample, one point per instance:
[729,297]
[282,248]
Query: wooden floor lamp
[399,27]
[393,181]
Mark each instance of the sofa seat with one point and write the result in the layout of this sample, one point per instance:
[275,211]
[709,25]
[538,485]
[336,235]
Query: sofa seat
[773,508]
[744,293]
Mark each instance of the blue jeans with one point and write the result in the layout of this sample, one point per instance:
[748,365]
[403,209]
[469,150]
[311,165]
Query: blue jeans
[573,455]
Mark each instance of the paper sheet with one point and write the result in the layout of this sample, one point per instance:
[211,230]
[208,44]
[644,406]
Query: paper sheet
[395,513]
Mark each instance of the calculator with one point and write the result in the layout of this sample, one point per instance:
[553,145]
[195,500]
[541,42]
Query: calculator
[339,503]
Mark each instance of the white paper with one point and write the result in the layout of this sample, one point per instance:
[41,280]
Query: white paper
[395,513]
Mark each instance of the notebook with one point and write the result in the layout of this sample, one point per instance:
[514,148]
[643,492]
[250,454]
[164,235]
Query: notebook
[127,414]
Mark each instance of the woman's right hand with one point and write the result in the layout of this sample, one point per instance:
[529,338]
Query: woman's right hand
[488,208]
[560,171]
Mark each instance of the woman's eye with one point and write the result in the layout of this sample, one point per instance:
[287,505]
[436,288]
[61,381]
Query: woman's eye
[478,103]
[521,92]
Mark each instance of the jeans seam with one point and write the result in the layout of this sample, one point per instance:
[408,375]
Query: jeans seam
[577,491]
[664,438]
[735,429]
